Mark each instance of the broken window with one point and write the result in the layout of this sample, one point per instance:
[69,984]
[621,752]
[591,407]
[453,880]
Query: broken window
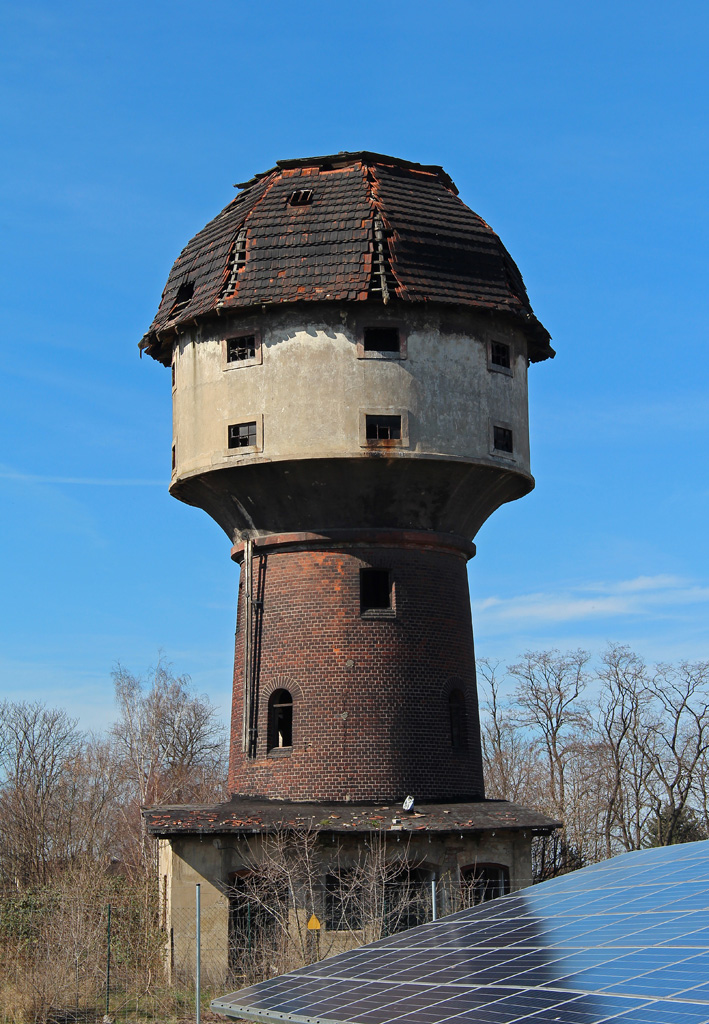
[238,349]
[382,339]
[374,589]
[500,355]
[280,720]
[301,197]
[383,428]
[502,439]
[242,435]
[482,882]
[458,725]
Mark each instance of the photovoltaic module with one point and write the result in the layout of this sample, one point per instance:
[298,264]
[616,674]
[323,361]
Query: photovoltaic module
[624,940]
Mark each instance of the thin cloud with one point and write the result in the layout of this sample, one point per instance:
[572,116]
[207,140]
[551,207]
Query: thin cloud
[642,596]
[640,583]
[30,478]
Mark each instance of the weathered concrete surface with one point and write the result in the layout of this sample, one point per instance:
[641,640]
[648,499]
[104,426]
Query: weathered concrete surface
[308,396]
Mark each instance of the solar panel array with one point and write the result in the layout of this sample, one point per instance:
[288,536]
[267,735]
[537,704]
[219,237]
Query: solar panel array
[625,940]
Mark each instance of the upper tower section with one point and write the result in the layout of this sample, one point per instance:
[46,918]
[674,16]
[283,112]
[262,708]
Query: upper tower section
[349,346]
[348,228]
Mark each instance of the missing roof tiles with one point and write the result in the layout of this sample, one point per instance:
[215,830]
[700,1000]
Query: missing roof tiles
[235,263]
[382,282]
[182,299]
[301,197]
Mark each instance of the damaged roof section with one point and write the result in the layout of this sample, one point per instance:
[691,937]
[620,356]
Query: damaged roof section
[240,815]
[347,228]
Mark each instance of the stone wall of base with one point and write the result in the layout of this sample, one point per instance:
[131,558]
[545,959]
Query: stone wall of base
[292,874]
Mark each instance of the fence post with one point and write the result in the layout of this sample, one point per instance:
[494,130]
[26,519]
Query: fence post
[198,957]
[434,906]
[108,960]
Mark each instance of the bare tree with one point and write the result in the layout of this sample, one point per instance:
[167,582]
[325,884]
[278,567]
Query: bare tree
[678,759]
[628,725]
[510,755]
[548,698]
[55,794]
[169,747]
[625,769]
[356,894]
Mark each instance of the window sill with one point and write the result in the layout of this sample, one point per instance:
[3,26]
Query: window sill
[506,370]
[280,751]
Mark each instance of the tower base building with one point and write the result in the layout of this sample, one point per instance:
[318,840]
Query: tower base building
[349,346]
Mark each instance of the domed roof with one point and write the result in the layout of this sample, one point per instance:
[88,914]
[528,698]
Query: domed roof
[355,227]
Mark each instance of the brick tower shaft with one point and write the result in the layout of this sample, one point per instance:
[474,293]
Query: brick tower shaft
[384,698]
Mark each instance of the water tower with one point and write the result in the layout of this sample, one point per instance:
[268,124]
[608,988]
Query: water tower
[349,346]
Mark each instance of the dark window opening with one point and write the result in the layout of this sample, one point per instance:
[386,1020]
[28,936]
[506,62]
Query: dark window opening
[500,354]
[301,197]
[482,882]
[345,895]
[407,900]
[381,339]
[383,428]
[182,299]
[174,375]
[241,348]
[280,720]
[456,710]
[374,589]
[174,458]
[502,439]
[242,435]
[258,922]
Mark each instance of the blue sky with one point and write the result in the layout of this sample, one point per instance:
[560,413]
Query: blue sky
[579,131]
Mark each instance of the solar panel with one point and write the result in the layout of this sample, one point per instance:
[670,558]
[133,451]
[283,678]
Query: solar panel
[625,940]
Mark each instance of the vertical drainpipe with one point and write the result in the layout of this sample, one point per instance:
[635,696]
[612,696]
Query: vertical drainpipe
[248,611]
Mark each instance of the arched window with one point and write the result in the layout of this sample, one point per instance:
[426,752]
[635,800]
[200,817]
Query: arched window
[456,710]
[482,882]
[280,720]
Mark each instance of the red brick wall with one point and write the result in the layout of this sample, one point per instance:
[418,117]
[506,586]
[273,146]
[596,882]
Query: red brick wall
[371,718]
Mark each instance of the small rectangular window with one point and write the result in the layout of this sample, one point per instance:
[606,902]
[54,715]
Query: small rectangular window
[382,339]
[238,349]
[383,428]
[174,375]
[500,355]
[502,439]
[374,589]
[301,197]
[174,458]
[242,435]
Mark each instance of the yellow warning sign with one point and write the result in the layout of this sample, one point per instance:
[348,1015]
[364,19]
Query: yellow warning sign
[313,924]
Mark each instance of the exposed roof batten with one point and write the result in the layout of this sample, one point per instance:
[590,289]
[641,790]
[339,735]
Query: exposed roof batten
[437,249]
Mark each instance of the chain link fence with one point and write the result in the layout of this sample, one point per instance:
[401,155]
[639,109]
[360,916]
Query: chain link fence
[122,956]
